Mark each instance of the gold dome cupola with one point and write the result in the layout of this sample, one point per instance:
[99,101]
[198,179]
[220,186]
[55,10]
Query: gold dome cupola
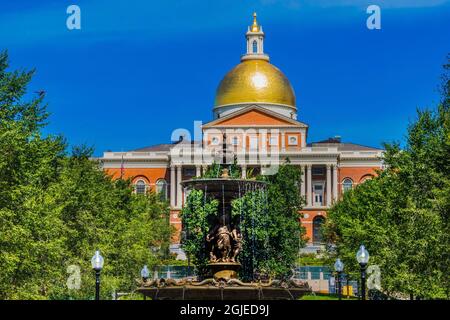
[255,81]
[255,42]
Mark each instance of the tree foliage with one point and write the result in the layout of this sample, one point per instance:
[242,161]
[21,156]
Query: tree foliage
[286,235]
[57,208]
[197,216]
[402,216]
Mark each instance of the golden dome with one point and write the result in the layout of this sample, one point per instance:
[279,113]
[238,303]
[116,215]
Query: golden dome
[254,81]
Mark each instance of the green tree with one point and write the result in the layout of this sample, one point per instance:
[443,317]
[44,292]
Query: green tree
[57,208]
[29,164]
[401,216]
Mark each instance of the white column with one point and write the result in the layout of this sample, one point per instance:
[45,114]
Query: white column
[173,184]
[179,187]
[335,182]
[198,171]
[328,185]
[303,182]
[244,171]
[283,142]
[263,142]
[309,195]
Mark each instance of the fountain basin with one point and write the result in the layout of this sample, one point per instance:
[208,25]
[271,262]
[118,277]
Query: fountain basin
[233,289]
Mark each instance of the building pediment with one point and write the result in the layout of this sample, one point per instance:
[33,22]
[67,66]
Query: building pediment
[254,116]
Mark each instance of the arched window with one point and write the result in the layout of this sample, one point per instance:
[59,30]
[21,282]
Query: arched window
[255,46]
[317,229]
[161,188]
[365,178]
[140,187]
[347,184]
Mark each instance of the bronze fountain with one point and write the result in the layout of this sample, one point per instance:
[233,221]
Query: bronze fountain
[224,243]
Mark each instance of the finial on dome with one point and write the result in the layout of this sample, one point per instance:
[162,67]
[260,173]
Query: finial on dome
[255,26]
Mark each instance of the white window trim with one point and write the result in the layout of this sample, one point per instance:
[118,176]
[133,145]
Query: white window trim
[343,182]
[165,186]
[136,184]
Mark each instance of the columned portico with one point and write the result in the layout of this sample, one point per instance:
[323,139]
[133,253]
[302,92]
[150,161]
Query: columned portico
[326,184]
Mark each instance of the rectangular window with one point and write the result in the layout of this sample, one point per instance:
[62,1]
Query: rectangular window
[318,194]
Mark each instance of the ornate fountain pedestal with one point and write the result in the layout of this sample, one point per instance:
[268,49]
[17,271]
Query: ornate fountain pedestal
[224,270]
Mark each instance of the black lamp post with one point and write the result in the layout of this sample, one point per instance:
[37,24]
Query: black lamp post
[145,273]
[363,258]
[97,264]
[339,267]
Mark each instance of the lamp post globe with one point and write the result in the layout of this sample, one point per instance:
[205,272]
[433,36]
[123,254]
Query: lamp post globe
[145,273]
[339,267]
[97,262]
[362,256]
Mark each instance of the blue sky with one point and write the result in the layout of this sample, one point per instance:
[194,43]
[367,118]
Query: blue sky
[139,69]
